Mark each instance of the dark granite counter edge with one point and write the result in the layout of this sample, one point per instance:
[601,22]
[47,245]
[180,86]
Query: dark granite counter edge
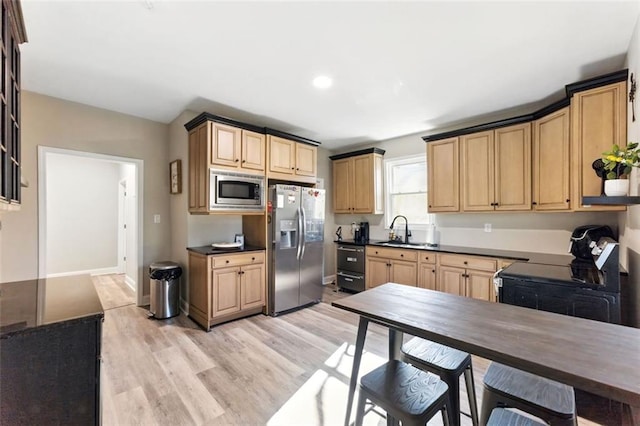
[7,332]
[211,251]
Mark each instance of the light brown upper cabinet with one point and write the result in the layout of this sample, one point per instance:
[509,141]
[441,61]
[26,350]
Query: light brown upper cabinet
[290,160]
[551,163]
[357,182]
[199,149]
[496,169]
[237,149]
[598,120]
[443,181]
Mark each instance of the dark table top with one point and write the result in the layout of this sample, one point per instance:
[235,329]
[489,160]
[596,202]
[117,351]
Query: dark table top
[209,250]
[597,357]
[36,303]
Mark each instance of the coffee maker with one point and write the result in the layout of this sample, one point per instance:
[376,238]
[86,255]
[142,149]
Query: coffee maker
[361,234]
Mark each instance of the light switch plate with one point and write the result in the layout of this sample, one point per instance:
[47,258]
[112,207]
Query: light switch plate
[487,227]
[156,218]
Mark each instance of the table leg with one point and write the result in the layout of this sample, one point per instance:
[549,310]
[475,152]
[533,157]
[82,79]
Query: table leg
[395,343]
[357,356]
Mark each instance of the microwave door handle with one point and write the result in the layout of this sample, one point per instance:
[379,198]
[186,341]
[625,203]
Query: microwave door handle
[303,231]
[299,239]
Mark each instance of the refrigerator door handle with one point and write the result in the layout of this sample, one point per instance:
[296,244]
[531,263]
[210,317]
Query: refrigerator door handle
[303,233]
[299,239]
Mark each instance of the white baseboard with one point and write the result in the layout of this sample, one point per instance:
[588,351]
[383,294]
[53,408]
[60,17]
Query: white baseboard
[130,282]
[329,279]
[101,271]
[146,300]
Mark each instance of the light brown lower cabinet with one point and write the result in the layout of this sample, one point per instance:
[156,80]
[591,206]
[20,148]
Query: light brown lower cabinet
[385,265]
[226,287]
[469,276]
[427,271]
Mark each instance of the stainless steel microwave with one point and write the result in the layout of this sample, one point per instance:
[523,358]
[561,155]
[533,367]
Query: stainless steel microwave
[235,191]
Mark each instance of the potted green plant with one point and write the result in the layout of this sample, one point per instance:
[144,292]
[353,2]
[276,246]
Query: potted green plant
[618,163]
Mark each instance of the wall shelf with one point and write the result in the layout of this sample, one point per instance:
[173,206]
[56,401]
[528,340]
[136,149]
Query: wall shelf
[610,201]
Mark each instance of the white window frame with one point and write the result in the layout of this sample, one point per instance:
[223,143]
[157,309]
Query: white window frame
[388,165]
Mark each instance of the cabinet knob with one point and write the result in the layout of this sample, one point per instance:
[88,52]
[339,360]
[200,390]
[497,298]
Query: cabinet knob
[297,168]
[244,161]
[376,252]
[237,160]
[401,255]
[465,262]
[253,258]
[534,203]
[433,270]
[292,168]
[568,200]
[226,261]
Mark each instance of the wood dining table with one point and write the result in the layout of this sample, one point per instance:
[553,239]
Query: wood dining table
[593,356]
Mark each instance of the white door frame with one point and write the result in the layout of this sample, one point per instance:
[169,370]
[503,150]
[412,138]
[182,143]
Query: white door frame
[42,198]
[122,237]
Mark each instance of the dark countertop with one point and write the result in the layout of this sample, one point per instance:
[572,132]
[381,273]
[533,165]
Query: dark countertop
[30,304]
[545,258]
[208,250]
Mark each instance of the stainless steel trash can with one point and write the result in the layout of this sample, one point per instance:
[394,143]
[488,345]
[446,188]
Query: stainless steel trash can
[165,289]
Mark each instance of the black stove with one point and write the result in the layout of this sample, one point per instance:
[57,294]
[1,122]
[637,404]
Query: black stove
[579,289]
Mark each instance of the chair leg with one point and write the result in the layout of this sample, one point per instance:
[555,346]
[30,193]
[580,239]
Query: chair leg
[362,400]
[453,401]
[471,393]
[489,402]
[445,416]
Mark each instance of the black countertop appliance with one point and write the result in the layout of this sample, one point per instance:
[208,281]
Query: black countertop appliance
[583,236]
[586,288]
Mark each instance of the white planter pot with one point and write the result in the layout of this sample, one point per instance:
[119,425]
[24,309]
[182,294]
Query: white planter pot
[616,187]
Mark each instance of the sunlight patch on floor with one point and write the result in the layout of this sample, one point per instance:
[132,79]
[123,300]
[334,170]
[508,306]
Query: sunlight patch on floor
[322,399]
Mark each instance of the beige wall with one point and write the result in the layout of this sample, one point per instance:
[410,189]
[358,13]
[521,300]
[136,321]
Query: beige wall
[58,123]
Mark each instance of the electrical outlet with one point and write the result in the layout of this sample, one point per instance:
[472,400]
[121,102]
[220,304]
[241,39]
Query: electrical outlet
[487,227]
[156,218]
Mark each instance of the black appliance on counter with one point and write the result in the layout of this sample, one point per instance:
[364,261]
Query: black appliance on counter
[350,271]
[582,238]
[586,288]
[361,234]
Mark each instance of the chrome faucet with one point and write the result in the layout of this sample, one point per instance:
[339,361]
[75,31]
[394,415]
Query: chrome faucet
[407,234]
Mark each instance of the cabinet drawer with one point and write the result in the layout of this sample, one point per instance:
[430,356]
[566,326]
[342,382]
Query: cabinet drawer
[250,258]
[427,258]
[389,253]
[468,262]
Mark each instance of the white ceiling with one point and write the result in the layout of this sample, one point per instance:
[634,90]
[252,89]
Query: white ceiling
[398,67]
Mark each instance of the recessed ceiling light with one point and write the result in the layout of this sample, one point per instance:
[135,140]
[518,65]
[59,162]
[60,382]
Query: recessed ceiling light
[322,82]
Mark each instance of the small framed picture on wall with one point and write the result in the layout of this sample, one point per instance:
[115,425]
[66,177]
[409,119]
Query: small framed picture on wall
[175,176]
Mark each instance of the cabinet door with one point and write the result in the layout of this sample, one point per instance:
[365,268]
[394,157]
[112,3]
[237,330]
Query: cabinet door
[451,280]
[363,185]
[427,278]
[252,287]
[598,120]
[477,163]
[199,169]
[225,291]
[443,180]
[377,272]
[281,155]
[253,151]
[342,185]
[403,272]
[306,159]
[480,285]
[512,147]
[551,167]
[225,145]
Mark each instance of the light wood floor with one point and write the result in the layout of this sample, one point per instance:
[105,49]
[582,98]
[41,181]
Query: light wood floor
[289,370]
[113,291]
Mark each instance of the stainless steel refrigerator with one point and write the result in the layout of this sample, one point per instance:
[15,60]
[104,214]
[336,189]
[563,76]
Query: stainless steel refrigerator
[296,253]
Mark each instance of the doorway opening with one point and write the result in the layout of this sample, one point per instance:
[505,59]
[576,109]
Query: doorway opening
[90,216]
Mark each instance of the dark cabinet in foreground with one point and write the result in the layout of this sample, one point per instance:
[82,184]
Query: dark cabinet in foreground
[50,337]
